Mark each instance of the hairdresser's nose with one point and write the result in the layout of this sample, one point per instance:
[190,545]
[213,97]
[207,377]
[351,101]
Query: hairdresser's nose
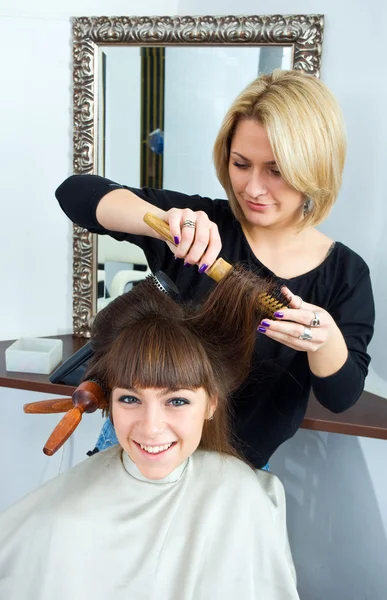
[256,185]
[152,421]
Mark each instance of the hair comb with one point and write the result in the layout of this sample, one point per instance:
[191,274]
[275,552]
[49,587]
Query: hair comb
[269,303]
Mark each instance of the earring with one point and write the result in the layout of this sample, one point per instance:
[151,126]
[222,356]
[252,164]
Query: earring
[307,206]
[211,417]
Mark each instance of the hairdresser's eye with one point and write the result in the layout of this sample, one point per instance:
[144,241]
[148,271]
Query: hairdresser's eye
[240,165]
[128,399]
[275,172]
[178,401]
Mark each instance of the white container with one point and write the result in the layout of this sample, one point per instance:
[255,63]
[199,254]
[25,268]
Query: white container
[34,355]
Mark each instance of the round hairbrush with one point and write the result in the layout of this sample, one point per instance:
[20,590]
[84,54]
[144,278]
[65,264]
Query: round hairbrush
[163,283]
[269,303]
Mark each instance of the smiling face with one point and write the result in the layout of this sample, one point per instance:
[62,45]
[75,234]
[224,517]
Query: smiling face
[159,429]
[266,200]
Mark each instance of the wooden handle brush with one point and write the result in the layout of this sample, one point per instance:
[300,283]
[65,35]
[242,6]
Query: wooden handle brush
[270,303]
[219,269]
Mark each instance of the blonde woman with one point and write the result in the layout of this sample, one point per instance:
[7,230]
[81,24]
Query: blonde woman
[279,156]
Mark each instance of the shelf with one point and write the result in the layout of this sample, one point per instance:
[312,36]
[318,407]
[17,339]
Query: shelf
[39,383]
[368,418]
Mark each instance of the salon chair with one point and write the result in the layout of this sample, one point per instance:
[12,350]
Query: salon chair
[112,251]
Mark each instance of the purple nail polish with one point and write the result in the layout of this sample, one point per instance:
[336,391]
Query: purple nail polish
[262,329]
[203,268]
[265,324]
[279,314]
[176,240]
[187,264]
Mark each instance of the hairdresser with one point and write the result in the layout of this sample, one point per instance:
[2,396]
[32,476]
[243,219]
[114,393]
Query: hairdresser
[279,156]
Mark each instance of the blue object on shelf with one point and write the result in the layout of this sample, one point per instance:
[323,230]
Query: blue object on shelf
[156,141]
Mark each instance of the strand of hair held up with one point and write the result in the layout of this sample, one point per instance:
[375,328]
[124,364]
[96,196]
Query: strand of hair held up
[269,302]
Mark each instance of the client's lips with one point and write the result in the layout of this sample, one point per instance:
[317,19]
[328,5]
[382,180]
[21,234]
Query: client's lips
[156,449]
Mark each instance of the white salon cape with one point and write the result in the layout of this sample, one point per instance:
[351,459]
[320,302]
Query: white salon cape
[214,529]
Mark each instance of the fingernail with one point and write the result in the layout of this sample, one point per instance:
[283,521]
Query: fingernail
[279,314]
[265,324]
[187,264]
[203,268]
[177,241]
[262,329]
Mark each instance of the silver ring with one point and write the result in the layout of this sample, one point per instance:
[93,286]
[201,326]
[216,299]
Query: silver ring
[300,299]
[306,335]
[315,322]
[188,223]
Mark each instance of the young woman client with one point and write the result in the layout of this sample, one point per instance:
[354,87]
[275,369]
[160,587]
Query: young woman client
[171,513]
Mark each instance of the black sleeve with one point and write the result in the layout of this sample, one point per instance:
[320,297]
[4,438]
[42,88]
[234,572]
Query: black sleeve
[79,196]
[352,308]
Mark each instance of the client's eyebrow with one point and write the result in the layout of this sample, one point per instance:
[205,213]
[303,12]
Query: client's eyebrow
[163,392]
[168,391]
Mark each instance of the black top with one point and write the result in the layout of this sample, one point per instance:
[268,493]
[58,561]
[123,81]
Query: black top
[272,403]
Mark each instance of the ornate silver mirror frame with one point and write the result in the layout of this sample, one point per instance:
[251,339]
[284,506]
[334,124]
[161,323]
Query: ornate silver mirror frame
[303,33]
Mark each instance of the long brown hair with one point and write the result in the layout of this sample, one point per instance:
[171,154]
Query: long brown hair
[145,339]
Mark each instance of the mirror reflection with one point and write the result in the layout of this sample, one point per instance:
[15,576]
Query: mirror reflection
[159,111]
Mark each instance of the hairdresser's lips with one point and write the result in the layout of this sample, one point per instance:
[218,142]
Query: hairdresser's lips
[160,453]
[258,207]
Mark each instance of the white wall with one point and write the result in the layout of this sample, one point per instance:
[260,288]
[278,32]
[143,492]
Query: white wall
[337,514]
[200,84]
[335,484]
[45,9]
[35,246]
[23,466]
[123,114]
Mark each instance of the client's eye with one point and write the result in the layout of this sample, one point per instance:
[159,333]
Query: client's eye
[178,401]
[128,399]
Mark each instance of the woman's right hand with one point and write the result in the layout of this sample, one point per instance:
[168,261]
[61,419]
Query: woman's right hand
[196,245]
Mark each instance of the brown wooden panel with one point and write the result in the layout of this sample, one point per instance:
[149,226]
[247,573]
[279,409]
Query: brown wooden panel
[367,418]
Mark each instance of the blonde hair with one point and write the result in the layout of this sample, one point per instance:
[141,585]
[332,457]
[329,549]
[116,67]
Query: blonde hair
[306,131]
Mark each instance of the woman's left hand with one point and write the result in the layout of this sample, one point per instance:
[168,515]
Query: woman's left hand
[303,326]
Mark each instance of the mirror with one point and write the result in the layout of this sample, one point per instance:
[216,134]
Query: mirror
[158,116]
[149,98]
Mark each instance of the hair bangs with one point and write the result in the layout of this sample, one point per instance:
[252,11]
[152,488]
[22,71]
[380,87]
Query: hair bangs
[160,354]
